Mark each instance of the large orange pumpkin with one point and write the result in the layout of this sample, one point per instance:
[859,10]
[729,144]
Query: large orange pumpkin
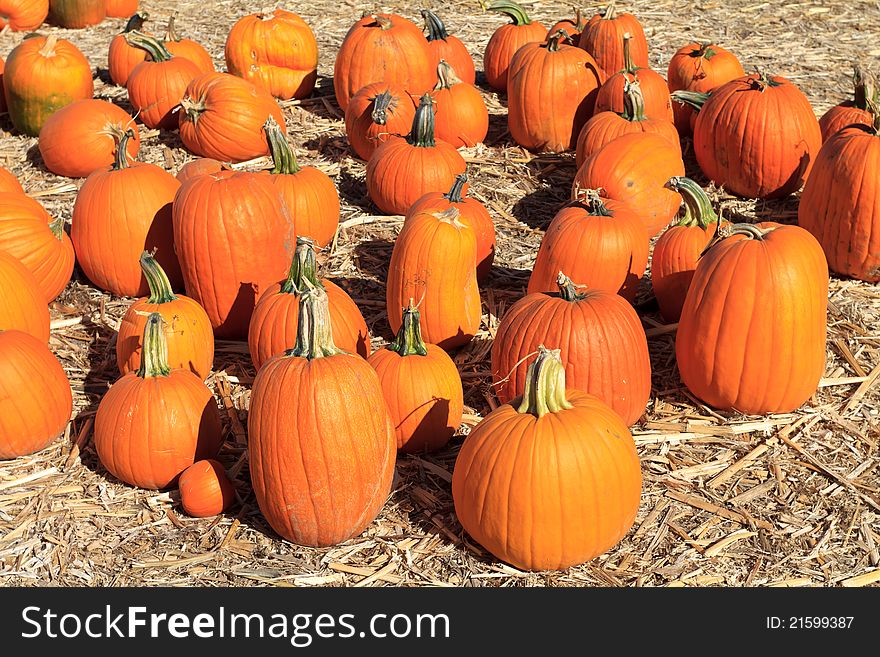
[752,331]
[75,14]
[507,39]
[22,307]
[122,57]
[448,47]
[550,480]
[856,111]
[35,395]
[120,8]
[273,325]
[235,238]
[23,15]
[655,93]
[461,117]
[383,48]
[322,467]
[275,50]
[120,212]
[154,423]
[602,37]
[376,113]
[187,48]
[205,489]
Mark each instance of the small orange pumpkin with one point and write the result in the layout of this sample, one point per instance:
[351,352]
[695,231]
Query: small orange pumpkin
[602,37]
[507,39]
[122,57]
[187,48]
[205,489]
[448,47]
[376,113]
[655,92]
[461,117]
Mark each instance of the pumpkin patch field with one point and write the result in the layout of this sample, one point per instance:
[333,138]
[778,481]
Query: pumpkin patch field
[440,294]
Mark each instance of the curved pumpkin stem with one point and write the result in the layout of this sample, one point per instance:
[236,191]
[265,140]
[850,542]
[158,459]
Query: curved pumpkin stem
[155,48]
[699,207]
[454,193]
[171,31]
[408,341]
[154,357]
[633,101]
[314,334]
[303,273]
[283,158]
[545,385]
[136,22]
[695,99]
[864,87]
[122,139]
[382,104]
[436,28]
[593,201]
[157,279]
[382,21]
[567,289]
[517,14]
[422,133]
[552,42]
[446,76]
[760,80]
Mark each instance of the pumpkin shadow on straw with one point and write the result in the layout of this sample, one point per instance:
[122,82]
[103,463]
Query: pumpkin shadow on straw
[353,192]
[538,208]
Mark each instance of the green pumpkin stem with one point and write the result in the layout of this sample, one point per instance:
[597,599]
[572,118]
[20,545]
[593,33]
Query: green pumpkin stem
[705,51]
[593,201]
[154,355]
[567,289]
[157,279]
[554,39]
[699,211]
[455,192]
[545,385]
[408,341]
[517,14]
[695,99]
[155,48]
[283,158]
[633,101]
[314,335]
[136,22]
[422,133]
[121,159]
[446,76]
[303,273]
[436,28]
[57,228]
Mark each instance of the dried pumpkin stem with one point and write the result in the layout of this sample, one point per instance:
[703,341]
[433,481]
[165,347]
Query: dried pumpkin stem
[154,356]
[517,14]
[121,158]
[314,334]
[303,273]
[455,192]
[434,25]
[422,133]
[283,157]
[699,207]
[155,48]
[628,65]
[57,227]
[382,104]
[171,31]
[545,385]
[48,49]
[609,13]
[446,76]
[382,21]
[157,279]
[408,341]
[633,101]
[567,289]
[554,39]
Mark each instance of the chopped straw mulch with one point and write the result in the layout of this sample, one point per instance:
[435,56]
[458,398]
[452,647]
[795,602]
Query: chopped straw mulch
[784,500]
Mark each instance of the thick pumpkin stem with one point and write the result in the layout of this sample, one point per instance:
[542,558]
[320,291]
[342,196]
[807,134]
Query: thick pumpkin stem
[171,31]
[446,76]
[554,39]
[454,193]
[382,21]
[193,108]
[157,279]
[695,99]
[633,101]
[436,28]
[48,49]
[450,216]
[545,385]
[592,200]
[567,289]
[121,159]
[314,335]
[408,341]
[422,133]
[517,14]
[749,230]
[628,65]
[154,356]
[155,48]
[382,104]
[699,211]
[303,273]
[283,157]
[136,22]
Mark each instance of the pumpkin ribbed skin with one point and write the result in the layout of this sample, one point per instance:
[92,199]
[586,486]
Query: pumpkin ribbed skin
[548,492]
[187,48]
[42,75]
[461,117]
[752,331]
[199,167]
[506,40]
[600,244]
[840,204]
[28,233]
[732,137]
[9,183]
[22,307]
[635,168]
[840,116]
[120,8]
[35,396]
[602,37]
[122,57]
[572,27]
[375,113]
[544,115]
[79,138]
[23,15]
[276,50]
[222,118]
[205,489]
[235,238]
[75,14]
[383,48]
[449,48]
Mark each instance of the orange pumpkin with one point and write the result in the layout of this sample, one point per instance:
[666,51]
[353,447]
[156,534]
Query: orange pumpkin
[321,468]
[857,111]
[434,262]
[376,113]
[9,183]
[120,8]
[222,118]
[187,48]
[461,117]
[275,50]
[75,14]
[205,489]
[571,26]
[550,480]
[448,47]
[120,212]
[122,58]
[23,15]
[199,167]
[42,75]
[655,93]
[2,95]
[81,137]
[22,307]
[602,37]
[189,337]
[422,388]
[154,423]
[506,40]
[35,395]
[274,323]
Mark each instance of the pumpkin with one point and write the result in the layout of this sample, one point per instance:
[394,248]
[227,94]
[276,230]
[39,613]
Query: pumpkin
[157,85]
[35,395]
[187,48]
[601,243]
[402,170]
[321,468]
[122,58]
[635,168]
[22,307]
[383,48]
[571,26]
[189,337]
[602,37]
[199,167]
[751,337]
[448,47]
[840,204]
[154,423]
[550,480]
[120,8]
[434,262]
[23,15]
[235,237]
[2,95]
[506,40]
[28,233]
[461,117]
[471,213]
[856,111]
[655,93]
[81,137]
[222,117]
[699,67]
[274,322]
[276,50]
[121,211]
[376,113]
[678,250]
[205,489]
[42,75]
[309,193]
[422,388]
[756,135]
[76,13]
[9,183]
[544,115]
[607,126]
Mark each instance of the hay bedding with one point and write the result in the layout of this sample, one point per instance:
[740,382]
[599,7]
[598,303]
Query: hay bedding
[786,500]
